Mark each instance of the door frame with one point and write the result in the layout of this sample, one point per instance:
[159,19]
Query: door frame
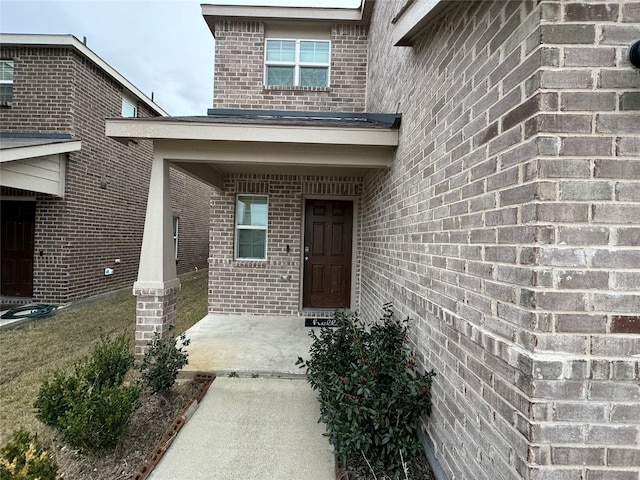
[354,251]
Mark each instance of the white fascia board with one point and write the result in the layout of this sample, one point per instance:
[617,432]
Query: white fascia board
[21,153]
[413,19]
[308,155]
[284,13]
[71,41]
[136,129]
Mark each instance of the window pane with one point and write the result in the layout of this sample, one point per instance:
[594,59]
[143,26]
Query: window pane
[313,77]
[252,243]
[6,70]
[281,51]
[280,76]
[128,109]
[316,52]
[252,210]
[6,92]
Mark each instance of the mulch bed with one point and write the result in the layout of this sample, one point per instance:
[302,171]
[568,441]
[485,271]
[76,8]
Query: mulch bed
[149,425]
[357,469]
[152,428]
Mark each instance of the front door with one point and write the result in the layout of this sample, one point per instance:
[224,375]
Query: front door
[327,254]
[16,249]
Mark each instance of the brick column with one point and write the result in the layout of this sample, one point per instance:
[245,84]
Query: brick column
[155,312]
[157,284]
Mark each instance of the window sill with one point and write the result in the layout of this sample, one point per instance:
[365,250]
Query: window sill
[292,88]
[241,263]
[5,104]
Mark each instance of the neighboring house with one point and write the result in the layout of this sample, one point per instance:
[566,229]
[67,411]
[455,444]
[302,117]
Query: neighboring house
[502,215]
[73,200]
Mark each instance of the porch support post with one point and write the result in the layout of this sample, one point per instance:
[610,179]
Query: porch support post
[158,284]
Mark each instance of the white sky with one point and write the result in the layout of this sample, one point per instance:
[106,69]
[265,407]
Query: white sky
[161,46]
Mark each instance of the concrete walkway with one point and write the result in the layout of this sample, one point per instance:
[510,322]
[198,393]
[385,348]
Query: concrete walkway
[250,428]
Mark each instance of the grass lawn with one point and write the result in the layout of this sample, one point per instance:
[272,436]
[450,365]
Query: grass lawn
[30,352]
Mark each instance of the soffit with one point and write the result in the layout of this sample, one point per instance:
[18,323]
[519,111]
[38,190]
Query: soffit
[209,147]
[413,17]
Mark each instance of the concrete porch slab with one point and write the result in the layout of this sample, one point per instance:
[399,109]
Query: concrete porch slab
[248,345]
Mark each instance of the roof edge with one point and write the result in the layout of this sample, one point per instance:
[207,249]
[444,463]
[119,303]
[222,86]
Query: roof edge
[393,120]
[360,15]
[70,41]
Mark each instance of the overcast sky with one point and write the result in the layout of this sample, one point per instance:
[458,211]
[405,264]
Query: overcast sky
[161,46]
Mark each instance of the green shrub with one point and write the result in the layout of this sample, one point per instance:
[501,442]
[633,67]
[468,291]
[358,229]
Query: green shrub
[163,360]
[98,416]
[89,407]
[23,458]
[109,362]
[56,396]
[371,394]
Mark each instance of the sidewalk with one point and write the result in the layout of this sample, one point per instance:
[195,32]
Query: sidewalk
[250,428]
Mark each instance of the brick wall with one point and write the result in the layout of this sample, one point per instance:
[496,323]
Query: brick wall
[507,228]
[239,67]
[43,90]
[256,287]
[190,201]
[101,218]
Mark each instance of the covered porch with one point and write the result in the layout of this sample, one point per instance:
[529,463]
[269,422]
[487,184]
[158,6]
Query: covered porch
[247,345]
[291,162]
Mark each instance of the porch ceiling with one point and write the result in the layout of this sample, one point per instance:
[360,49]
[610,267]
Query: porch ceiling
[209,147]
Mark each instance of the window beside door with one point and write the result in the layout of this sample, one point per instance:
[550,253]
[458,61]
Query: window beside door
[251,227]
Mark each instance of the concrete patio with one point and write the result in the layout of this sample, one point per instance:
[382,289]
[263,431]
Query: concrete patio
[247,345]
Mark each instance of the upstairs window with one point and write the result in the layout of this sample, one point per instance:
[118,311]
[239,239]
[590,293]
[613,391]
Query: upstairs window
[6,81]
[251,227]
[293,63]
[129,109]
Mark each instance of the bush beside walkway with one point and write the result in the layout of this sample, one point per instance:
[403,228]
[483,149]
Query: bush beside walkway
[29,352]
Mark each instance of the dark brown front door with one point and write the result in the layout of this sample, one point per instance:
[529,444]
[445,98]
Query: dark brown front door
[327,254]
[16,249]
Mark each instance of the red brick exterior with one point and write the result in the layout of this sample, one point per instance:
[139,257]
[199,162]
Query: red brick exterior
[59,90]
[239,77]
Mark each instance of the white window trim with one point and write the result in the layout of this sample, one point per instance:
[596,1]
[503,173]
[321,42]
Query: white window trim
[251,227]
[296,64]
[8,82]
